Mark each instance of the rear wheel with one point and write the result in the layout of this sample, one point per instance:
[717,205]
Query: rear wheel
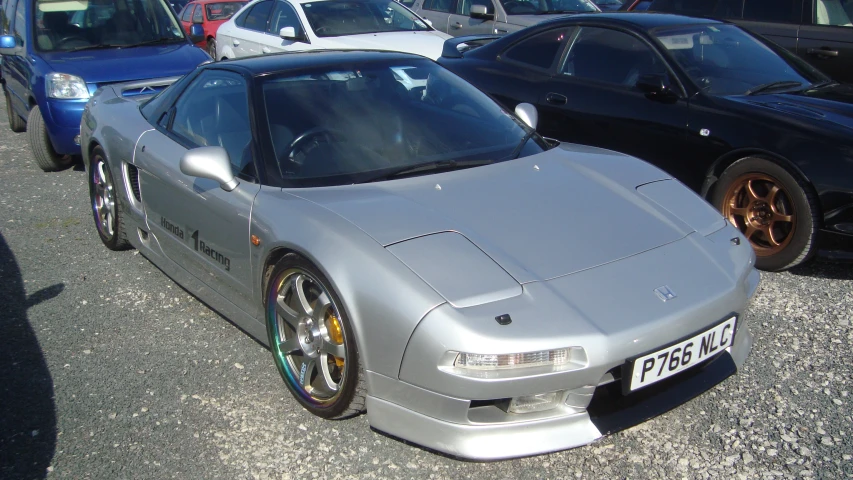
[312,341]
[106,203]
[211,48]
[46,157]
[16,123]
[775,210]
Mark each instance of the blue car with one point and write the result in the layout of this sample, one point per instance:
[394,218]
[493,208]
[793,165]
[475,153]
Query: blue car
[57,53]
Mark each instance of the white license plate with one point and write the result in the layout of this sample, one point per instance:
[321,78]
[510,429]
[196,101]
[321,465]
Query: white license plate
[668,361]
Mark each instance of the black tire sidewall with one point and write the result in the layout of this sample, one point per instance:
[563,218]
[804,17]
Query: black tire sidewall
[338,407]
[43,152]
[16,123]
[211,44]
[802,245]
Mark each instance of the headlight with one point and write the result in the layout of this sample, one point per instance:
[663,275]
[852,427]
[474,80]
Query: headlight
[63,85]
[502,361]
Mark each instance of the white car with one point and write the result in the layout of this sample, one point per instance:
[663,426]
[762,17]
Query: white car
[269,26]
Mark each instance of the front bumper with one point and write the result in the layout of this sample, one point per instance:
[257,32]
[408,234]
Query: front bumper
[62,119]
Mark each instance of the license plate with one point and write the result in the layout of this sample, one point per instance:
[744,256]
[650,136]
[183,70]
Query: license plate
[680,356]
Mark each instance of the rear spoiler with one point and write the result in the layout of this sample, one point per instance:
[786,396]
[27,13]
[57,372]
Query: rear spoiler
[455,47]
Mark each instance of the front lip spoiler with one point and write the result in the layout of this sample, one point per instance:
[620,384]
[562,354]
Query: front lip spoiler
[610,411]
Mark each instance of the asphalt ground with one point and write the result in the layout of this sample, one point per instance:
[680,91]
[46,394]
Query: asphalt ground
[110,370]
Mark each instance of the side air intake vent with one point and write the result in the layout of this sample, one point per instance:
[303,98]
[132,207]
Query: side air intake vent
[133,179]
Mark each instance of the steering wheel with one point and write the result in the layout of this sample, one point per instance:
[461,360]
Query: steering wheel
[307,141]
[73,38]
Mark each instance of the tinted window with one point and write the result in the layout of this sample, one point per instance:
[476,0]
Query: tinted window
[463,7]
[539,50]
[20,23]
[331,18]
[222,10]
[214,111]
[284,16]
[256,17]
[837,13]
[438,5]
[642,5]
[627,57]
[187,14]
[6,16]
[198,15]
[684,7]
[784,11]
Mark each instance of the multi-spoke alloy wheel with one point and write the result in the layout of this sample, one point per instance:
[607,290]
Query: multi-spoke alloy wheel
[762,210]
[773,207]
[106,202]
[311,340]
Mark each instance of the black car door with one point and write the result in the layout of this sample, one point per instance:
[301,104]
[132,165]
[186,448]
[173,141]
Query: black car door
[593,99]
[826,38]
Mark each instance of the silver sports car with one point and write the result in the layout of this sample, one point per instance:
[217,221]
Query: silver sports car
[407,248]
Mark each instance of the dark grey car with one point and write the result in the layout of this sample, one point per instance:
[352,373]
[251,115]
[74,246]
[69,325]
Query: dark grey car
[819,31]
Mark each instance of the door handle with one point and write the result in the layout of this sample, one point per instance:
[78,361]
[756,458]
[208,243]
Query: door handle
[456,25]
[556,99]
[265,49]
[822,52]
[235,42]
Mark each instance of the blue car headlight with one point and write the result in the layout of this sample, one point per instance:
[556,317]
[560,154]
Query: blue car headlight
[65,86]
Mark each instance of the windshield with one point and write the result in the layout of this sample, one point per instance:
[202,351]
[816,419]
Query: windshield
[222,10]
[725,60]
[540,7]
[66,25]
[343,125]
[343,17]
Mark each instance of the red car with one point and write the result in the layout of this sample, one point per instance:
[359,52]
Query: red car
[210,14]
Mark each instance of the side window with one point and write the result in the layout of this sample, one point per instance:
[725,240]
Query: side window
[838,13]
[782,11]
[627,57]
[540,51]
[6,15]
[438,5]
[642,6]
[463,7]
[408,3]
[20,23]
[187,14]
[729,9]
[198,15]
[214,111]
[283,15]
[256,17]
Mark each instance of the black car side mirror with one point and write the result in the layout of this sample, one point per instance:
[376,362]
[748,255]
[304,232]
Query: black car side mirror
[655,86]
[480,11]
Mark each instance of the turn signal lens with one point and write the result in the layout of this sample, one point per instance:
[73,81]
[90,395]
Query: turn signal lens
[533,403]
[490,361]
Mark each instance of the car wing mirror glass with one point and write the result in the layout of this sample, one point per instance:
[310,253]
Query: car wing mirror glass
[8,45]
[480,11]
[212,163]
[528,114]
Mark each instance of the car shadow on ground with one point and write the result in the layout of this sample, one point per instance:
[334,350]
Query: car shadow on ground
[825,268]
[27,411]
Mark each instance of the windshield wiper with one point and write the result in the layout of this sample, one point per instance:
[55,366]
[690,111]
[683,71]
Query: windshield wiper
[784,84]
[432,167]
[825,83]
[156,41]
[515,153]
[94,47]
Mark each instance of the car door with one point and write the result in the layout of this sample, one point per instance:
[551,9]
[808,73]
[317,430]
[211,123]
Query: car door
[251,31]
[197,224]
[826,38]
[16,69]
[592,98]
[437,12]
[461,23]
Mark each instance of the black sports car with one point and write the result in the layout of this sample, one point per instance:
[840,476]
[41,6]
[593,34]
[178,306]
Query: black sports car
[761,134]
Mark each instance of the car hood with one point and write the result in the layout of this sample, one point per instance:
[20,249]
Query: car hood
[832,104]
[538,217]
[126,64]
[427,44]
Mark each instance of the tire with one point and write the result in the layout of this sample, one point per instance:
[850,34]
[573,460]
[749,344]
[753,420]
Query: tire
[211,48]
[774,208]
[301,344]
[16,123]
[46,157]
[106,202]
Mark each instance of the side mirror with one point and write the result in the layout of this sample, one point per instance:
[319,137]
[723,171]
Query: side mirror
[480,11]
[8,45]
[528,114]
[428,21]
[212,163]
[196,33]
[653,84]
[289,33]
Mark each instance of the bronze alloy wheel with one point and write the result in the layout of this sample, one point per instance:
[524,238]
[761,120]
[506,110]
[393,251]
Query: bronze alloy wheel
[762,209]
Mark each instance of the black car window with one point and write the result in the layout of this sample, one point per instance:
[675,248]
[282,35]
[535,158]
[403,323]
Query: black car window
[214,111]
[284,16]
[642,6]
[187,14]
[729,9]
[684,7]
[781,11]
[256,17]
[20,23]
[540,50]
[627,57]
[438,5]
[198,14]
[837,13]
[463,7]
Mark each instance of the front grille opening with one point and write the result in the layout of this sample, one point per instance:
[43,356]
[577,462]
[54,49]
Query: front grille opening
[145,90]
[133,180]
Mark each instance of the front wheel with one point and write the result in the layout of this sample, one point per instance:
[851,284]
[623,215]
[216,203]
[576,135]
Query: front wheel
[46,157]
[775,210]
[106,203]
[312,341]
[211,48]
